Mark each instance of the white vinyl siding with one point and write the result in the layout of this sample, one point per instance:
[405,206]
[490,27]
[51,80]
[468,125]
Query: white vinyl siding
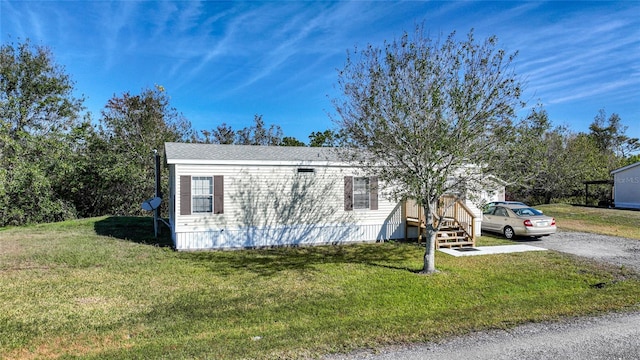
[276,205]
[275,197]
[626,187]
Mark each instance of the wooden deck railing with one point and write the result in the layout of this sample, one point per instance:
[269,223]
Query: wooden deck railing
[413,211]
[454,208]
[450,210]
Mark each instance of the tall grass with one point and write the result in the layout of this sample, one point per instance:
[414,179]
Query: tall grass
[104,288]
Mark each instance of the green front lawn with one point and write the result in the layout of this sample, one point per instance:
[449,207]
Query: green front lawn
[101,288]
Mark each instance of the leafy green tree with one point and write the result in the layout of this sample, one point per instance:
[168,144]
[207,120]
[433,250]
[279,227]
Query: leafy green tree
[35,93]
[609,135]
[291,141]
[583,162]
[428,117]
[122,148]
[37,111]
[569,160]
[536,155]
[553,163]
[632,159]
[528,148]
[327,138]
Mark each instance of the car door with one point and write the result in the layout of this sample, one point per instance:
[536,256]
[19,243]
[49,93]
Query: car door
[488,222]
[500,218]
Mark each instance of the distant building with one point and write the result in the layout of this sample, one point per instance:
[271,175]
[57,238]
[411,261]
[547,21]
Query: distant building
[626,187]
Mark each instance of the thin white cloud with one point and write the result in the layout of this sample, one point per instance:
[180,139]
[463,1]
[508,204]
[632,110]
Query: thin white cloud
[583,57]
[285,34]
[116,25]
[588,91]
[226,54]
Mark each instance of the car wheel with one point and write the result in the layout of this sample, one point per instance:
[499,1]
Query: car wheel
[508,232]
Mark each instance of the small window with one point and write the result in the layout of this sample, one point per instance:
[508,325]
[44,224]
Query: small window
[306,170]
[361,193]
[202,194]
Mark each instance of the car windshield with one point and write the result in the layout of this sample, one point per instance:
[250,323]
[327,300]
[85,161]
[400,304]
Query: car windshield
[526,212]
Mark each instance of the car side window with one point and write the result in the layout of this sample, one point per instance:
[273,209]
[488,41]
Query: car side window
[489,210]
[501,212]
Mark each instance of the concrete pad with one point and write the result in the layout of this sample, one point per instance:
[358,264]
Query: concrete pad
[488,250]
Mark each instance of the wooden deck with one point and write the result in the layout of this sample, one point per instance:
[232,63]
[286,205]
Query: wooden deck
[457,228]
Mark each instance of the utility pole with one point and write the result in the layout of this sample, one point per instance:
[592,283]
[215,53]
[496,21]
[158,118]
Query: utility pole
[156,212]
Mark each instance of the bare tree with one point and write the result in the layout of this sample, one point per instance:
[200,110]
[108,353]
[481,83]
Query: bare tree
[258,134]
[428,117]
[222,134]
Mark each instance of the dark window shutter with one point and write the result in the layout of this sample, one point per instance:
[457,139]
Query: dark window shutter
[348,193]
[218,194]
[185,195]
[373,193]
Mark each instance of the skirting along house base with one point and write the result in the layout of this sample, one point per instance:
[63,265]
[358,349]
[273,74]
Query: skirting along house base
[240,196]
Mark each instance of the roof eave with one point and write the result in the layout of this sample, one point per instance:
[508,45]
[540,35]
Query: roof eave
[625,168]
[257,162]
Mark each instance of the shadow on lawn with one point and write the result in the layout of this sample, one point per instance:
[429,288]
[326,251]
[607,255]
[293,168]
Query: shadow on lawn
[135,229]
[266,262]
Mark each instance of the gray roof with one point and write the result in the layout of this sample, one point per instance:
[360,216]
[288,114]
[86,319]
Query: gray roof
[175,152]
[625,168]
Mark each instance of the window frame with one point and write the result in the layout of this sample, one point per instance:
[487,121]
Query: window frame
[502,210]
[196,195]
[372,189]
[366,194]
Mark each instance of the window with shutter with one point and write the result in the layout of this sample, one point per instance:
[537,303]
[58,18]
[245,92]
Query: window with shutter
[201,195]
[360,193]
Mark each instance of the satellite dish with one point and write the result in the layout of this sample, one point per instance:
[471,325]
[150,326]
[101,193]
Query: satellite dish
[151,204]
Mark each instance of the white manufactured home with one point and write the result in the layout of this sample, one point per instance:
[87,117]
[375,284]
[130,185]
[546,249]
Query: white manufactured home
[626,187]
[238,196]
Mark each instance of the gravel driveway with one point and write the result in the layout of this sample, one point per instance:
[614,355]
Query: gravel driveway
[611,336]
[611,249]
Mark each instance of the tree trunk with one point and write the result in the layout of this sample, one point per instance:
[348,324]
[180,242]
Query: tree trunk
[429,253]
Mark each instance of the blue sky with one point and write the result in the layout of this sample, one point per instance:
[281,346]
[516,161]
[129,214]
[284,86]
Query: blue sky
[227,61]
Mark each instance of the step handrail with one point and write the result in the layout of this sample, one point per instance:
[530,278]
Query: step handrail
[448,206]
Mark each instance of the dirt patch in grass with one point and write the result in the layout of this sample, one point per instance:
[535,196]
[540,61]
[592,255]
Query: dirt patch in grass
[10,247]
[82,345]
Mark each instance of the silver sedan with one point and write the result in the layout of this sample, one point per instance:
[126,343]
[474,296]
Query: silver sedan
[517,220]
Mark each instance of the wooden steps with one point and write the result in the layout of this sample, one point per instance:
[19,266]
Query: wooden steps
[453,236]
[449,236]
[456,223]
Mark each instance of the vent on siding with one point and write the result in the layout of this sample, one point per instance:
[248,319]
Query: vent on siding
[306,170]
